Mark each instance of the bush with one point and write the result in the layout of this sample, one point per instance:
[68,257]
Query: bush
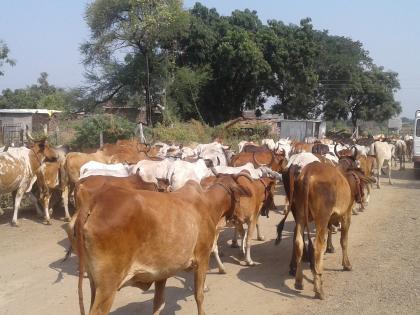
[113,128]
[181,133]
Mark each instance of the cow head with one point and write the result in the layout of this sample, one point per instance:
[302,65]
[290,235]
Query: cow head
[40,147]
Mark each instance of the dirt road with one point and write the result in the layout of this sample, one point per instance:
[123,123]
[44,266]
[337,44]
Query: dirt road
[383,249]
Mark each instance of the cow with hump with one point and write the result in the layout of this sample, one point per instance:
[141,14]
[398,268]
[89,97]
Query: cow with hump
[324,194]
[129,237]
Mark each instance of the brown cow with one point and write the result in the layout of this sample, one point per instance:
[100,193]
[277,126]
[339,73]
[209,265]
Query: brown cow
[324,194]
[250,208]
[264,158]
[367,165]
[143,237]
[70,172]
[87,187]
[298,147]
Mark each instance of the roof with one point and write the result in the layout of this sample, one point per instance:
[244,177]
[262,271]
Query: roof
[29,111]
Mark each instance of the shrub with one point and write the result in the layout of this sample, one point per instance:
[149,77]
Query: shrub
[181,133]
[113,128]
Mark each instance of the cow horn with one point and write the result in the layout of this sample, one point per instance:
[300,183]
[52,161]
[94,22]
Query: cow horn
[335,150]
[28,134]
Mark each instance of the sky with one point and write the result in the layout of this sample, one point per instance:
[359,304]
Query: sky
[45,35]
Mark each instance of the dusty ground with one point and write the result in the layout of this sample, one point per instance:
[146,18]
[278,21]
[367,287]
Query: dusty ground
[383,249]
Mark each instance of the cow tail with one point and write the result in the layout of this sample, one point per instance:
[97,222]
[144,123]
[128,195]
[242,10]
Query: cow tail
[80,221]
[293,172]
[306,214]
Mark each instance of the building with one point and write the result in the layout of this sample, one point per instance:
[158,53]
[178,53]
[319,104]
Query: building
[283,128]
[13,123]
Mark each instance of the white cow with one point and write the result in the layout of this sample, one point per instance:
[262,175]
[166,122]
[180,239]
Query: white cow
[270,144]
[383,152]
[216,152]
[18,167]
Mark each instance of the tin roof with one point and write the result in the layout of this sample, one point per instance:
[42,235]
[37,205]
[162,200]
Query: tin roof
[29,111]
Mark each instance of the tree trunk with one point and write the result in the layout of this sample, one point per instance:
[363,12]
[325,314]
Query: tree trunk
[148,102]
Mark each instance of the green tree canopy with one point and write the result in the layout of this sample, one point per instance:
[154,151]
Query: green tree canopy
[4,57]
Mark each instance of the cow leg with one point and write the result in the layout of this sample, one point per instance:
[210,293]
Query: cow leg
[250,232]
[92,291]
[260,237]
[104,297]
[292,264]
[235,239]
[378,174]
[215,252]
[159,299]
[330,247]
[17,196]
[298,251]
[389,175]
[34,201]
[320,246]
[367,195]
[345,225]
[199,280]
[65,197]
[1,211]
[46,203]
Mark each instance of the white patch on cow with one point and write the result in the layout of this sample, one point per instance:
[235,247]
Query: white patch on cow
[93,168]
[302,159]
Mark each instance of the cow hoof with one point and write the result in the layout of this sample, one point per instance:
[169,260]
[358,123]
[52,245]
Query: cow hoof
[320,295]
[261,238]
[234,245]
[222,271]
[14,224]
[298,286]
[347,268]
[47,222]
[67,219]
[354,212]
[250,263]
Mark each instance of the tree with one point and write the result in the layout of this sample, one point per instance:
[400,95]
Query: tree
[126,34]
[4,56]
[351,86]
[41,95]
[225,46]
[291,52]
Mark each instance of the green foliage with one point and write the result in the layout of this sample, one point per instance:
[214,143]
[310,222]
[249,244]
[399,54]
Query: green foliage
[182,133]
[233,135]
[204,66]
[41,95]
[143,32]
[113,128]
[4,56]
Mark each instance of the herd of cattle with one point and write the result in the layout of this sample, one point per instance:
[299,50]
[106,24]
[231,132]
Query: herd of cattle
[145,212]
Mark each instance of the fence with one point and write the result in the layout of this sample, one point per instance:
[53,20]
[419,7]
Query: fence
[12,134]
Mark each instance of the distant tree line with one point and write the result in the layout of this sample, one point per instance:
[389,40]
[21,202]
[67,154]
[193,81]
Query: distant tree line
[204,66]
